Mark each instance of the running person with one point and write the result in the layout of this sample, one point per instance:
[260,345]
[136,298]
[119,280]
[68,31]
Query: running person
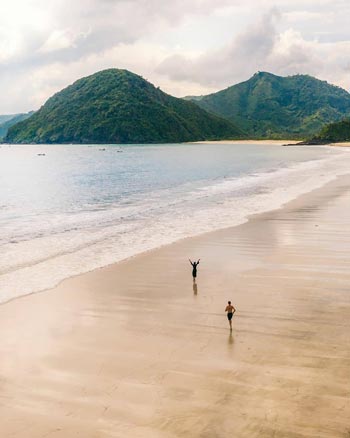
[194,268]
[230,311]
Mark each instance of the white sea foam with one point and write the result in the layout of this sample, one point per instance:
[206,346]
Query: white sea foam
[50,248]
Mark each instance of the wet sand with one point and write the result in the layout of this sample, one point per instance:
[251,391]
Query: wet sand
[136,350]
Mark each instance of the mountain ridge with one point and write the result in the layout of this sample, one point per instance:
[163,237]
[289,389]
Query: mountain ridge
[272,106]
[118,106]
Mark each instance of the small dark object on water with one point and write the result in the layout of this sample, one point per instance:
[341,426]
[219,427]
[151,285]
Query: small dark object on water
[41,155]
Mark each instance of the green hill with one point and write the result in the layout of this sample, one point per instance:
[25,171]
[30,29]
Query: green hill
[117,106]
[15,118]
[332,133]
[272,106]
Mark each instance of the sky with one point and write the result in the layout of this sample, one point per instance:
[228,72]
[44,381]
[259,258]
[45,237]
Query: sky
[186,47]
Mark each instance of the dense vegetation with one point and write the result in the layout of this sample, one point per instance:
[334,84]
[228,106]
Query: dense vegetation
[7,121]
[117,106]
[272,106]
[333,133]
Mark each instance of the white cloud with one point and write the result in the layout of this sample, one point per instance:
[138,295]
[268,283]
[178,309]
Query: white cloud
[59,40]
[221,67]
[183,46]
[262,47]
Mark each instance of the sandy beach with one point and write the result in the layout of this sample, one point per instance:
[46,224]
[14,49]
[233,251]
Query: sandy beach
[344,144]
[268,142]
[136,350]
[255,142]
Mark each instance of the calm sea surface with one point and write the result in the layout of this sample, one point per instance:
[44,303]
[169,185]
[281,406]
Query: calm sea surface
[77,208]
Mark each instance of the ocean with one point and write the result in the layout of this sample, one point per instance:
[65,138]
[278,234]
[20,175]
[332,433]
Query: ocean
[68,209]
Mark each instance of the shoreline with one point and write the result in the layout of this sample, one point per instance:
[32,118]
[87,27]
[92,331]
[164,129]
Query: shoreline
[249,218]
[135,349]
[242,221]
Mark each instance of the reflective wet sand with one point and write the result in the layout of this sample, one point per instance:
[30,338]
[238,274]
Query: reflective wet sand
[138,350]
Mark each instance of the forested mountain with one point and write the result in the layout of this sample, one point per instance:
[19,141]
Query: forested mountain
[117,106]
[9,121]
[273,107]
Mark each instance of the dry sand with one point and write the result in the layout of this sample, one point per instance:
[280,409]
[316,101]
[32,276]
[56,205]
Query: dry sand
[344,144]
[267,142]
[134,350]
[262,142]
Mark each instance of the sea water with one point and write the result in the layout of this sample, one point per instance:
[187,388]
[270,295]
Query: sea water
[68,209]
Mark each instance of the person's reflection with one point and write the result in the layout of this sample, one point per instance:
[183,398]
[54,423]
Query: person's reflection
[195,288]
[230,339]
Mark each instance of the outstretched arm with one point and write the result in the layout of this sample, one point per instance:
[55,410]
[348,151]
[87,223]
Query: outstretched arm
[191,262]
[198,262]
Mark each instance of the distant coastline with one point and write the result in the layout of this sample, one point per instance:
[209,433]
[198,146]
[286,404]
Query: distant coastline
[271,142]
[247,142]
[262,142]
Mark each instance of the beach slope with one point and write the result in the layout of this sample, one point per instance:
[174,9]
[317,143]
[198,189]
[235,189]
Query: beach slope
[136,350]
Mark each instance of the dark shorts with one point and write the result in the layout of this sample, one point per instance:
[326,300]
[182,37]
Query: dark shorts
[229,316]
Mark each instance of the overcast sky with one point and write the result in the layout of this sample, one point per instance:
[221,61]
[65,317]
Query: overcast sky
[182,46]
